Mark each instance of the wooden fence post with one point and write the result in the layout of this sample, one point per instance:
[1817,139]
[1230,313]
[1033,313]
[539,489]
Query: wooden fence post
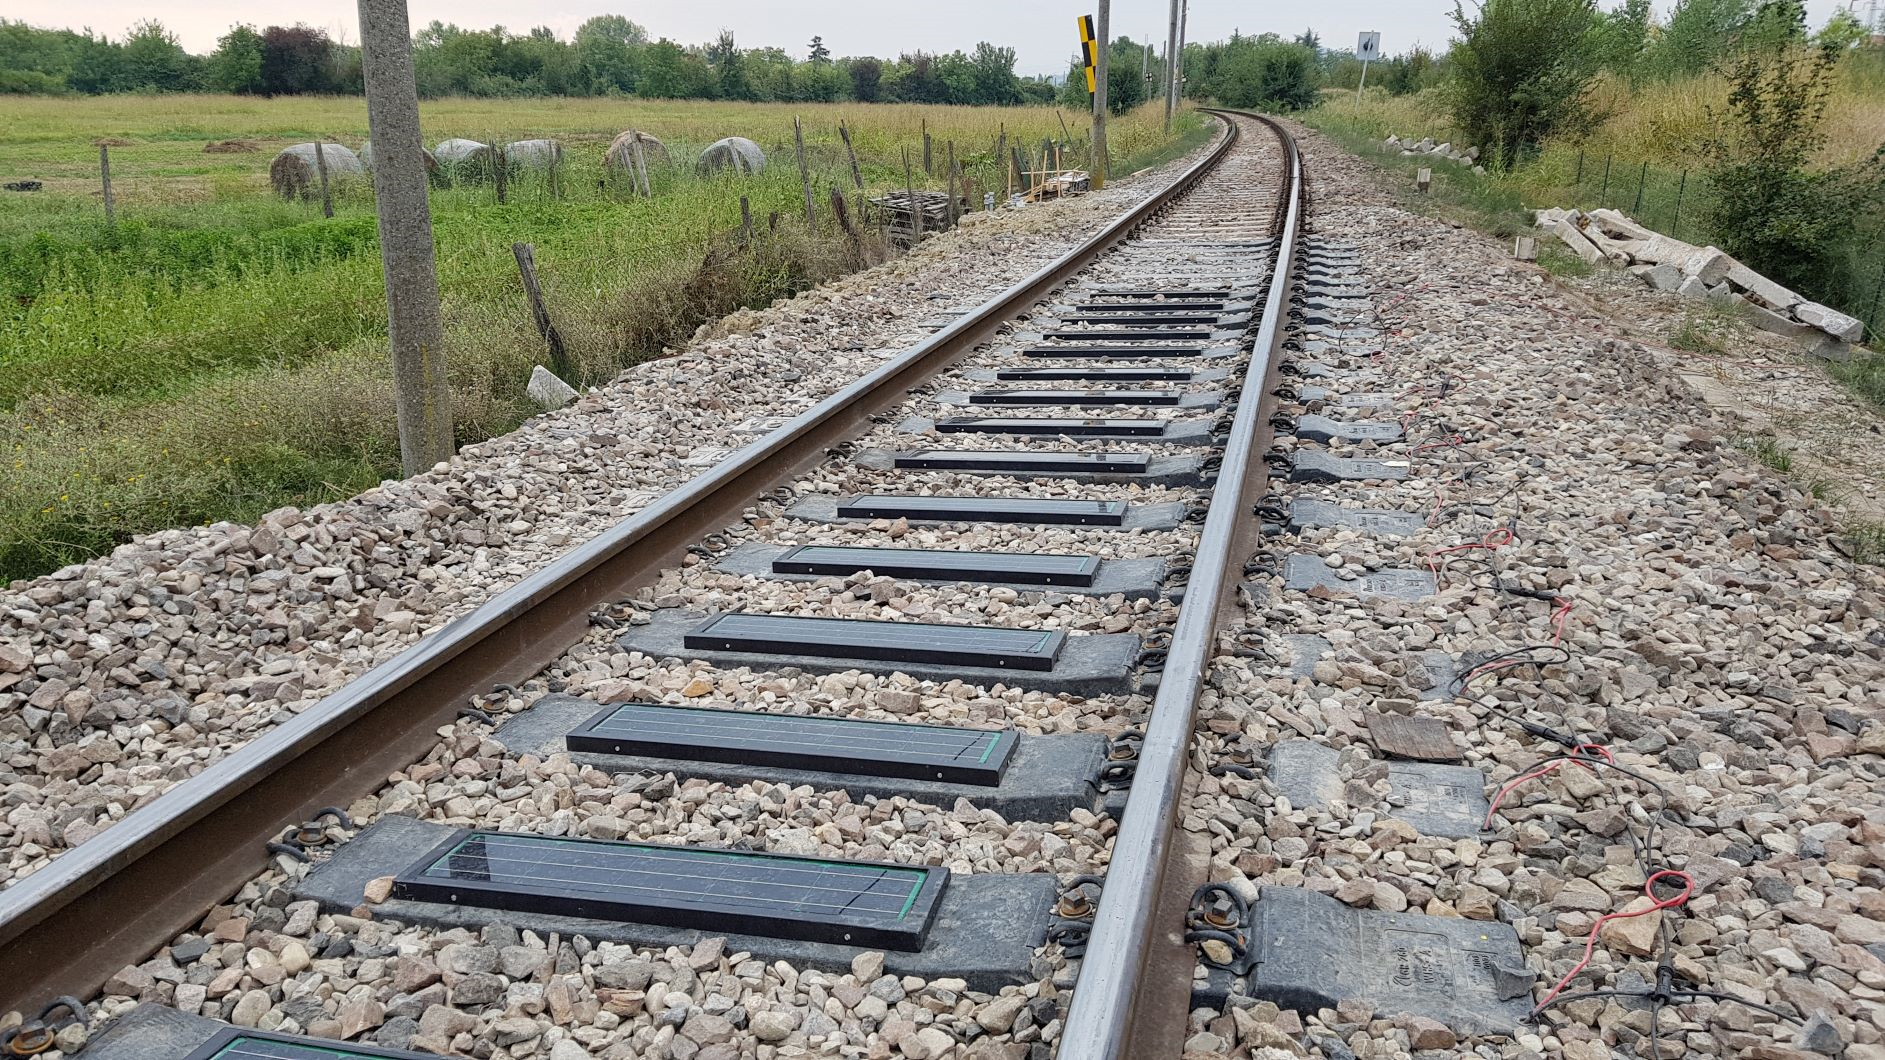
[916,215]
[320,166]
[805,175]
[746,220]
[928,169]
[949,184]
[857,175]
[641,167]
[104,175]
[842,213]
[1001,159]
[540,313]
[500,172]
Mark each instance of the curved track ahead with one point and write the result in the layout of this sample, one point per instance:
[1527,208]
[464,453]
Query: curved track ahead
[1204,251]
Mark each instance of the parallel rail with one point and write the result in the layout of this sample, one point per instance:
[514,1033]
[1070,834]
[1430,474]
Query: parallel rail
[129,891]
[1113,980]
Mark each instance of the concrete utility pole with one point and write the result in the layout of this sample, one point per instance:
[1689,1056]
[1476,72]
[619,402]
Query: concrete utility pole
[1101,45]
[1171,53]
[1178,57]
[420,386]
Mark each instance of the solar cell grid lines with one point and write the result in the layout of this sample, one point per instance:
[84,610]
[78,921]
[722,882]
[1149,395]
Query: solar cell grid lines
[1116,350]
[234,1044]
[1026,461]
[1073,428]
[936,564]
[1120,374]
[846,638]
[1047,510]
[855,902]
[838,745]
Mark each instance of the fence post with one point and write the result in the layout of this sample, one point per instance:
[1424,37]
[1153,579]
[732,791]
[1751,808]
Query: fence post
[320,166]
[949,182]
[500,171]
[104,175]
[805,175]
[1579,179]
[641,167]
[421,386]
[1641,181]
[842,213]
[746,220]
[1676,225]
[540,313]
[1001,159]
[909,183]
[1605,190]
[1871,315]
[928,168]
[857,175]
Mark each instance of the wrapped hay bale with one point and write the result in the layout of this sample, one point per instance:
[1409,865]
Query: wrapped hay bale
[620,155]
[431,160]
[464,160]
[736,153]
[294,173]
[533,154]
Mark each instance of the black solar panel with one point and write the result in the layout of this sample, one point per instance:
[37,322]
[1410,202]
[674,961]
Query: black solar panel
[1127,334]
[782,741]
[1147,307]
[1113,351]
[1158,292]
[232,1043]
[1117,375]
[1050,510]
[851,638]
[938,565]
[1088,428]
[858,903]
[1141,319]
[1023,462]
[1075,397]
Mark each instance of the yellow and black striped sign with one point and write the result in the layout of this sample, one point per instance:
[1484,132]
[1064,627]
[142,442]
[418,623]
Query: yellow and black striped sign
[1089,52]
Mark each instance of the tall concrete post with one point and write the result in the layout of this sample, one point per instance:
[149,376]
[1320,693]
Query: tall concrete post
[1178,61]
[1171,54]
[1101,45]
[405,218]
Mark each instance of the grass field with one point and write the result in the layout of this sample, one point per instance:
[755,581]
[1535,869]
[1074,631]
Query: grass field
[219,352]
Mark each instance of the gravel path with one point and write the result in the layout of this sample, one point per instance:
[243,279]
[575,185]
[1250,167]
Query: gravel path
[1718,643]
[122,676]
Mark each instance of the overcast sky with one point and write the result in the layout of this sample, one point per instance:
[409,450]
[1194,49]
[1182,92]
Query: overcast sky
[1042,33]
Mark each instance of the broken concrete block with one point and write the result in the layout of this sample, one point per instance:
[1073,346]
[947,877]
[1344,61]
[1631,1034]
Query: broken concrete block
[1579,245]
[1752,283]
[549,392]
[1709,264]
[1692,287]
[1722,294]
[1661,277]
[1550,216]
[1618,226]
[1785,326]
[1525,248]
[1831,321]
[1423,179]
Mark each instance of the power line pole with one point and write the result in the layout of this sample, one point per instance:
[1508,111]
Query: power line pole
[1178,61]
[1101,45]
[1171,52]
[421,389]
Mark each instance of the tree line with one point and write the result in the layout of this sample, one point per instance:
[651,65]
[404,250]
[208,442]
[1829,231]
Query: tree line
[607,55]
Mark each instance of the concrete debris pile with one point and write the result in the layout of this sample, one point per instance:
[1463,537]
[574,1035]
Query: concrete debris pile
[1668,264]
[1426,146]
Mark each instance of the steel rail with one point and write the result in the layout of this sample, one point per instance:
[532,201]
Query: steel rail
[124,894]
[1113,971]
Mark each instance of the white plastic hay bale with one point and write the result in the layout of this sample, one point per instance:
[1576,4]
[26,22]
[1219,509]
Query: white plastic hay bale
[464,160]
[295,174]
[736,153]
[533,154]
[620,155]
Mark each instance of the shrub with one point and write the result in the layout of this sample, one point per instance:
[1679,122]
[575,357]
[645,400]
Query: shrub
[1768,208]
[1521,71]
[1268,74]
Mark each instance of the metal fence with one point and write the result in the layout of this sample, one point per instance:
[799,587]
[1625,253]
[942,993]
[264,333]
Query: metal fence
[1673,201]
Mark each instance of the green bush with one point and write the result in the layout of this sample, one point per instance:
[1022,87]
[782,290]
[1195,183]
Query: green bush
[1768,208]
[1521,71]
[1268,74]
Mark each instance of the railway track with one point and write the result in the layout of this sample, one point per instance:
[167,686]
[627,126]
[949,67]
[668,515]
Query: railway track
[987,579]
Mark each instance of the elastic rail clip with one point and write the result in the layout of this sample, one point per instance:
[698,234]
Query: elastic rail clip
[37,1035]
[298,839]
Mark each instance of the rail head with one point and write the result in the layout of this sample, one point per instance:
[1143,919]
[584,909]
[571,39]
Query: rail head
[1113,971]
[123,894]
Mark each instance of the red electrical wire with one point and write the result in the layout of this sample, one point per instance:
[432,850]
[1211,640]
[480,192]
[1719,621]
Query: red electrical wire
[1496,538]
[1590,945]
[1596,749]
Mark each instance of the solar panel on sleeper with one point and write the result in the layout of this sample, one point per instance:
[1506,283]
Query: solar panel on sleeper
[783,741]
[1163,292]
[1086,428]
[1075,397]
[1117,375]
[1021,568]
[853,638]
[1026,463]
[1127,334]
[1147,307]
[1048,511]
[1113,351]
[232,1043]
[858,903]
[1141,319]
